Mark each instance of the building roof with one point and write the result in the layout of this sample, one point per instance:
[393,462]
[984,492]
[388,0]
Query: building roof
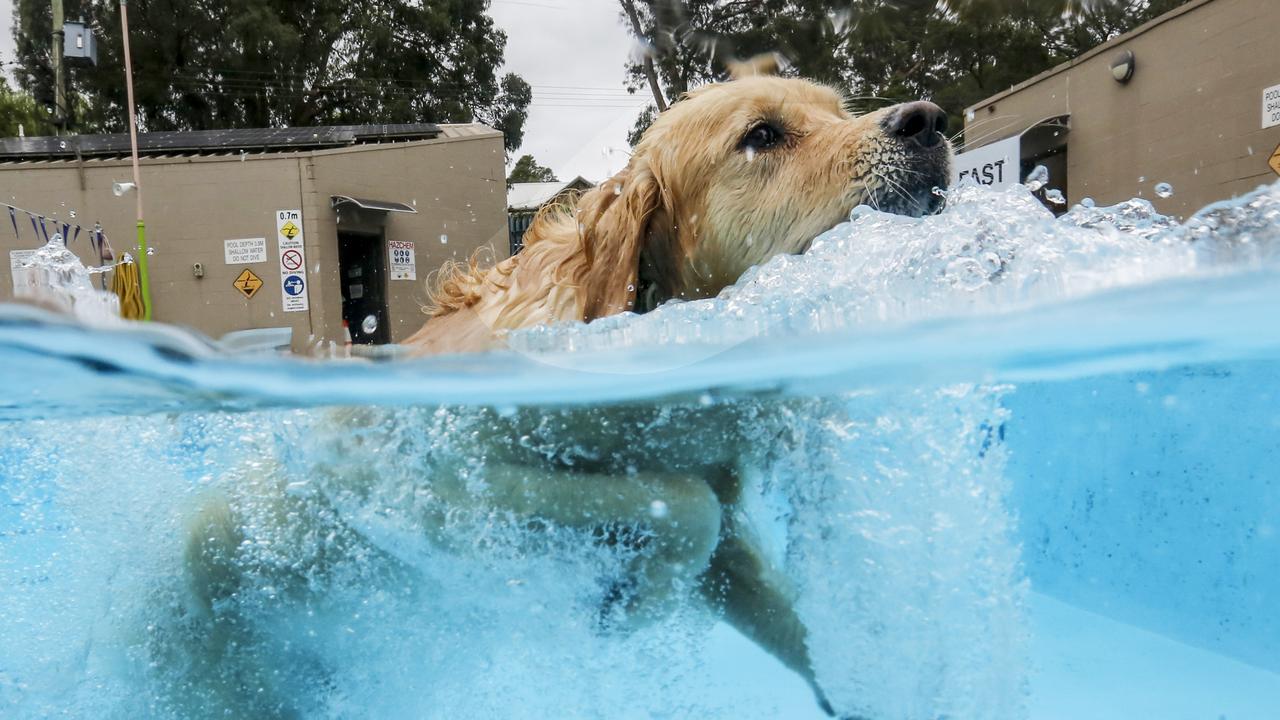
[213,141]
[531,196]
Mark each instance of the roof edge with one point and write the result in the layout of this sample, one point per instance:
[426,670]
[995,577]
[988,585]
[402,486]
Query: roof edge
[1142,29]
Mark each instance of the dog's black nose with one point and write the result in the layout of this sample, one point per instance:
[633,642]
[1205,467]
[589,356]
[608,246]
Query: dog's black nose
[921,122]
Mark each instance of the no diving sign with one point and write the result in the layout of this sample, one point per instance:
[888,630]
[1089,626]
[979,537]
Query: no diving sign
[293,261]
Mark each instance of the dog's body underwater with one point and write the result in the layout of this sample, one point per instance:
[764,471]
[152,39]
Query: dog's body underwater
[729,177]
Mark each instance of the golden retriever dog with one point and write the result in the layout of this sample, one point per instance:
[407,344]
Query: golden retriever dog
[732,175]
[727,178]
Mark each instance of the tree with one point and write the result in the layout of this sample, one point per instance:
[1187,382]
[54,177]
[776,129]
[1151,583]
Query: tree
[527,170]
[284,63]
[19,110]
[880,51]
[643,121]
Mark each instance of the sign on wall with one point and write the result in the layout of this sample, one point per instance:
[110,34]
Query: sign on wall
[1271,107]
[245,251]
[247,283]
[1274,162]
[997,165]
[293,261]
[403,265]
[17,259]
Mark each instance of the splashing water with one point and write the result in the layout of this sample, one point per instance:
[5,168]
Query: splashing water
[859,392]
[54,277]
[1037,178]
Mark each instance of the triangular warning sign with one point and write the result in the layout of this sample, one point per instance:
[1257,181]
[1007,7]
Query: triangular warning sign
[1275,160]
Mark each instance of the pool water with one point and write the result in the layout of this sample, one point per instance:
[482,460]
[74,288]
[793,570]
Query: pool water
[1010,466]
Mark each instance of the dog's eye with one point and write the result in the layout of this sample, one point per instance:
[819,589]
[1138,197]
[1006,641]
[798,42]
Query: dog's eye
[761,137]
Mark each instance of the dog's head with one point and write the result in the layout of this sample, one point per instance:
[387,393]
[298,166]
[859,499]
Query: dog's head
[738,172]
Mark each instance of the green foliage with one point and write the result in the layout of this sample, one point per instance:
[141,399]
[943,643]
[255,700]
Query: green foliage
[527,170]
[284,63]
[17,109]
[643,121]
[880,51]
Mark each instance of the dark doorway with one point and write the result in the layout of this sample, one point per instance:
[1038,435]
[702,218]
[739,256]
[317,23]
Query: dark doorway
[1046,144]
[362,261]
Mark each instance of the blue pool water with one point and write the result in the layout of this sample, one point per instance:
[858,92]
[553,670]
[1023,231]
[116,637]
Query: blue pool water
[1011,466]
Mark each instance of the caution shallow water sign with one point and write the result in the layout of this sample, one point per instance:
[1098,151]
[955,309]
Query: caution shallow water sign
[293,261]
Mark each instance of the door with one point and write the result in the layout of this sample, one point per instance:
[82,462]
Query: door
[362,260]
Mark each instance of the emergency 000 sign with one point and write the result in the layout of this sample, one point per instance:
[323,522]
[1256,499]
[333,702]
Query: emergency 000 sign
[403,264]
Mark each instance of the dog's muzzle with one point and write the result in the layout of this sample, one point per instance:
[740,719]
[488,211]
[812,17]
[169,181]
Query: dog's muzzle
[918,133]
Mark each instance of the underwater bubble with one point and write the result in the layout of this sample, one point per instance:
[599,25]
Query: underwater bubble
[369,324]
[1164,190]
[1088,202]
[1056,197]
[444,239]
[658,509]
[1038,178]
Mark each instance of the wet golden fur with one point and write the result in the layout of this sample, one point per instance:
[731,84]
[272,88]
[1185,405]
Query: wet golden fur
[687,216]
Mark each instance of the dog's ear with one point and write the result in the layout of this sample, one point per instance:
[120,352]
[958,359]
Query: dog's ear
[613,221]
[764,64]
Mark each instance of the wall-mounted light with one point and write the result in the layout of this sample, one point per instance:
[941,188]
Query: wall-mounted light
[1122,66]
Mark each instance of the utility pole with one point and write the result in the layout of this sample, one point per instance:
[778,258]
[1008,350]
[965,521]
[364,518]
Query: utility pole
[59,80]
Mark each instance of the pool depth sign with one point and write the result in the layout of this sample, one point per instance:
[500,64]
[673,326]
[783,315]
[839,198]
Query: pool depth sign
[1271,107]
[293,261]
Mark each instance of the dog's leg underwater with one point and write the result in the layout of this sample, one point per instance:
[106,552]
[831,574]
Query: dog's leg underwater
[753,596]
[201,652]
[677,514]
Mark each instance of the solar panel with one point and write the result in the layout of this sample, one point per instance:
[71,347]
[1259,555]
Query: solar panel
[211,141]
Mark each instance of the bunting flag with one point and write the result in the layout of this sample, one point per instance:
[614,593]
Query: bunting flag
[38,225]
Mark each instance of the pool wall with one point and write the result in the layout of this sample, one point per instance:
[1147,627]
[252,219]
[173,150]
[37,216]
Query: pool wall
[1151,498]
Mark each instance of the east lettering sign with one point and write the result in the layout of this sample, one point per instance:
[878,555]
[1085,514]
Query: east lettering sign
[996,165]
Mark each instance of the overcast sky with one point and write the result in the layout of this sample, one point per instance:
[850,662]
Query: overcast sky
[572,52]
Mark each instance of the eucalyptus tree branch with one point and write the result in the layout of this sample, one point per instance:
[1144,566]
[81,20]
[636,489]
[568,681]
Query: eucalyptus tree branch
[629,7]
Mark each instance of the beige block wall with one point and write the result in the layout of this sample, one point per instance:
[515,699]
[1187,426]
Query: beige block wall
[1191,115]
[193,204]
[459,189]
